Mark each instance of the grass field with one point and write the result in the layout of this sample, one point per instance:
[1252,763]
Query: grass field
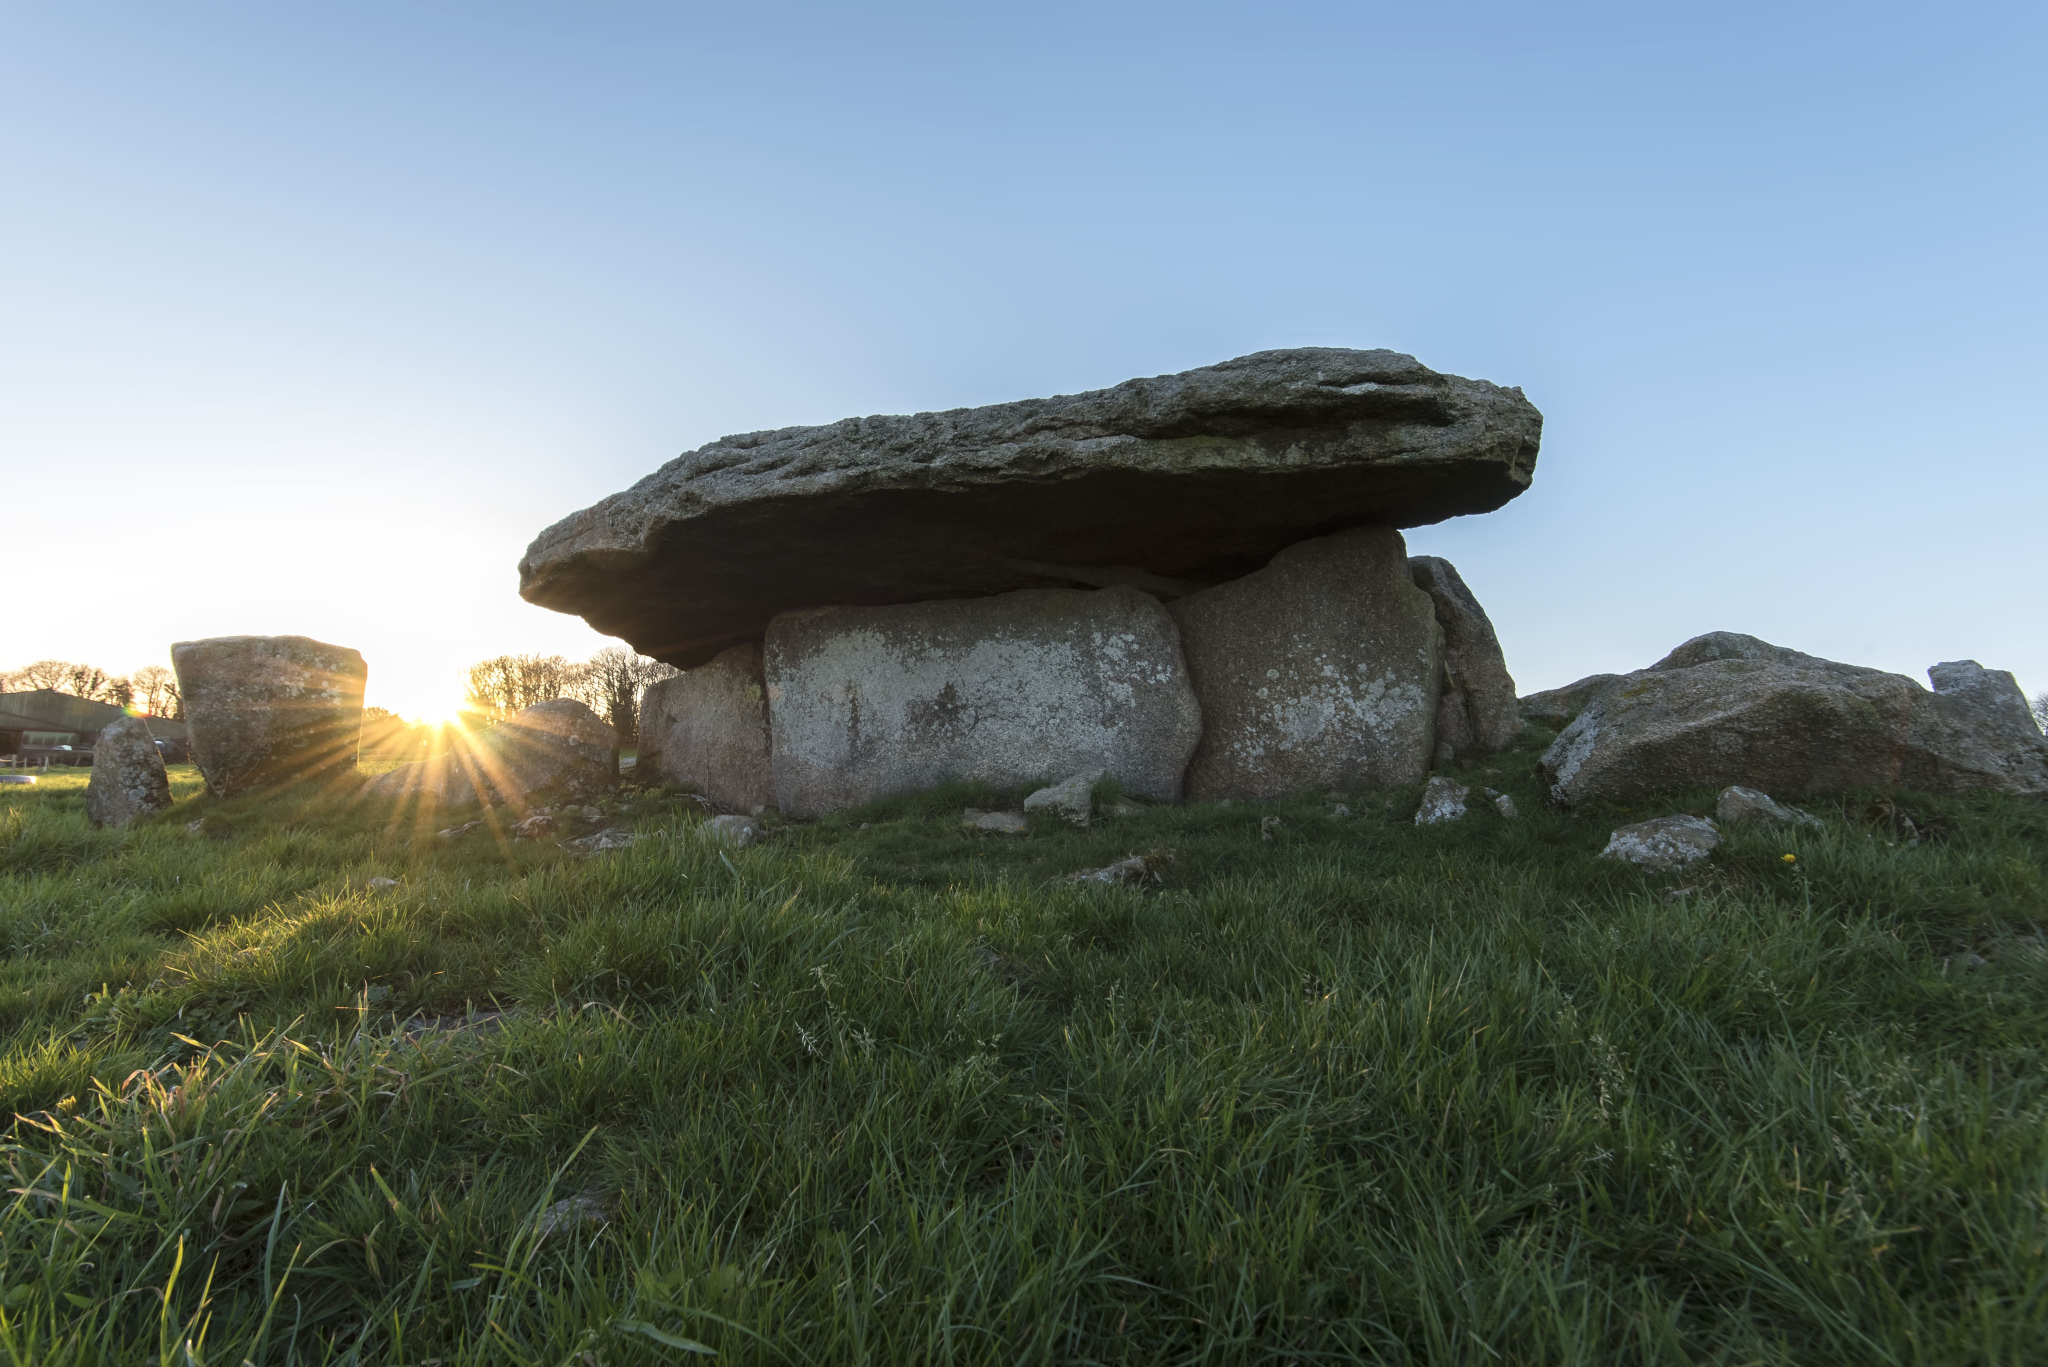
[884,1091]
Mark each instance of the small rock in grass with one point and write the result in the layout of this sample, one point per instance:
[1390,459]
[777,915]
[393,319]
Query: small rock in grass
[1074,799]
[1669,842]
[575,1210]
[1502,803]
[1738,803]
[1964,961]
[1267,827]
[1673,896]
[382,883]
[534,827]
[610,838]
[589,813]
[455,831]
[996,823]
[1134,872]
[1443,799]
[1340,812]
[735,831]
[195,827]
[1124,807]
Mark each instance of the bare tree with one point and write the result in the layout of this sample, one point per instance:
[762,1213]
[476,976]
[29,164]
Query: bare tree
[41,674]
[615,681]
[156,689]
[505,684]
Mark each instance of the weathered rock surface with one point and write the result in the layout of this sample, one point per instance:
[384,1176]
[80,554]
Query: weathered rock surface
[558,745]
[1555,707]
[737,831]
[1664,845]
[1730,709]
[1443,799]
[708,727]
[128,778]
[1319,671]
[1073,800]
[1478,714]
[1165,484]
[995,823]
[268,710]
[1738,804]
[868,702]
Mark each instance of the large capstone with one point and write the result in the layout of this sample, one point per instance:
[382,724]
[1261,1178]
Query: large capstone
[267,710]
[1477,714]
[128,778]
[708,728]
[1167,484]
[1321,670]
[1725,708]
[558,746]
[871,702]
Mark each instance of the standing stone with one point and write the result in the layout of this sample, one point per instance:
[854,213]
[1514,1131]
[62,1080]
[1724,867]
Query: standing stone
[1477,714]
[559,745]
[128,778]
[708,727]
[261,711]
[1319,671]
[869,702]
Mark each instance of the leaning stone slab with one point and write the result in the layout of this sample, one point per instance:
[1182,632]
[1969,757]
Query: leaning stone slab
[872,702]
[558,745]
[267,710]
[708,727]
[1663,845]
[128,778]
[1730,709]
[1478,714]
[1166,484]
[1319,671]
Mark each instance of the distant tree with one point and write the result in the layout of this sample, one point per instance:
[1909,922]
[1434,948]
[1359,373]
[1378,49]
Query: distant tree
[504,684]
[41,674]
[614,682]
[156,691]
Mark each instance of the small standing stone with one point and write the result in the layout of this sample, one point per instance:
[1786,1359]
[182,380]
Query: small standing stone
[128,778]
[1443,799]
[1668,843]
[266,710]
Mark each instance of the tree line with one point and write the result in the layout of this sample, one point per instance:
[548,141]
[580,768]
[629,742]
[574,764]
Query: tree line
[152,689]
[610,683]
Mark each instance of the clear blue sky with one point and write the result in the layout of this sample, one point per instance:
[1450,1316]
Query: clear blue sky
[311,315]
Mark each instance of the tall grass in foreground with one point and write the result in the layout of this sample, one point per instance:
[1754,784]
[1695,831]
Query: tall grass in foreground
[883,1091]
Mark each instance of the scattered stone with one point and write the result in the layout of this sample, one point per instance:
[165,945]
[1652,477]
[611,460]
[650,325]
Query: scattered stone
[1268,826]
[589,813]
[1123,806]
[1477,713]
[195,827]
[128,778]
[1163,484]
[1668,843]
[381,883]
[1502,803]
[555,745]
[567,1214]
[535,827]
[1318,671]
[1340,812]
[267,710]
[735,831]
[708,727]
[996,823]
[456,832]
[1966,962]
[1738,804]
[421,1028]
[1073,800]
[1730,709]
[1555,707]
[1673,896]
[610,838]
[1443,799]
[870,702]
[1134,872]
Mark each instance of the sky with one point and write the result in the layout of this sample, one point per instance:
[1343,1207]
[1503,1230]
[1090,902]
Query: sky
[312,316]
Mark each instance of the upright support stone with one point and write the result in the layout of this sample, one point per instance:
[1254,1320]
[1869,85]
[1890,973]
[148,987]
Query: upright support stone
[869,702]
[268,710]
[1319,671]
[128,778]
[1477,714]
[708,727]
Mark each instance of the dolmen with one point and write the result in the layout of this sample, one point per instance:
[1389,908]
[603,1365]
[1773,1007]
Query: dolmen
[1196,583]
